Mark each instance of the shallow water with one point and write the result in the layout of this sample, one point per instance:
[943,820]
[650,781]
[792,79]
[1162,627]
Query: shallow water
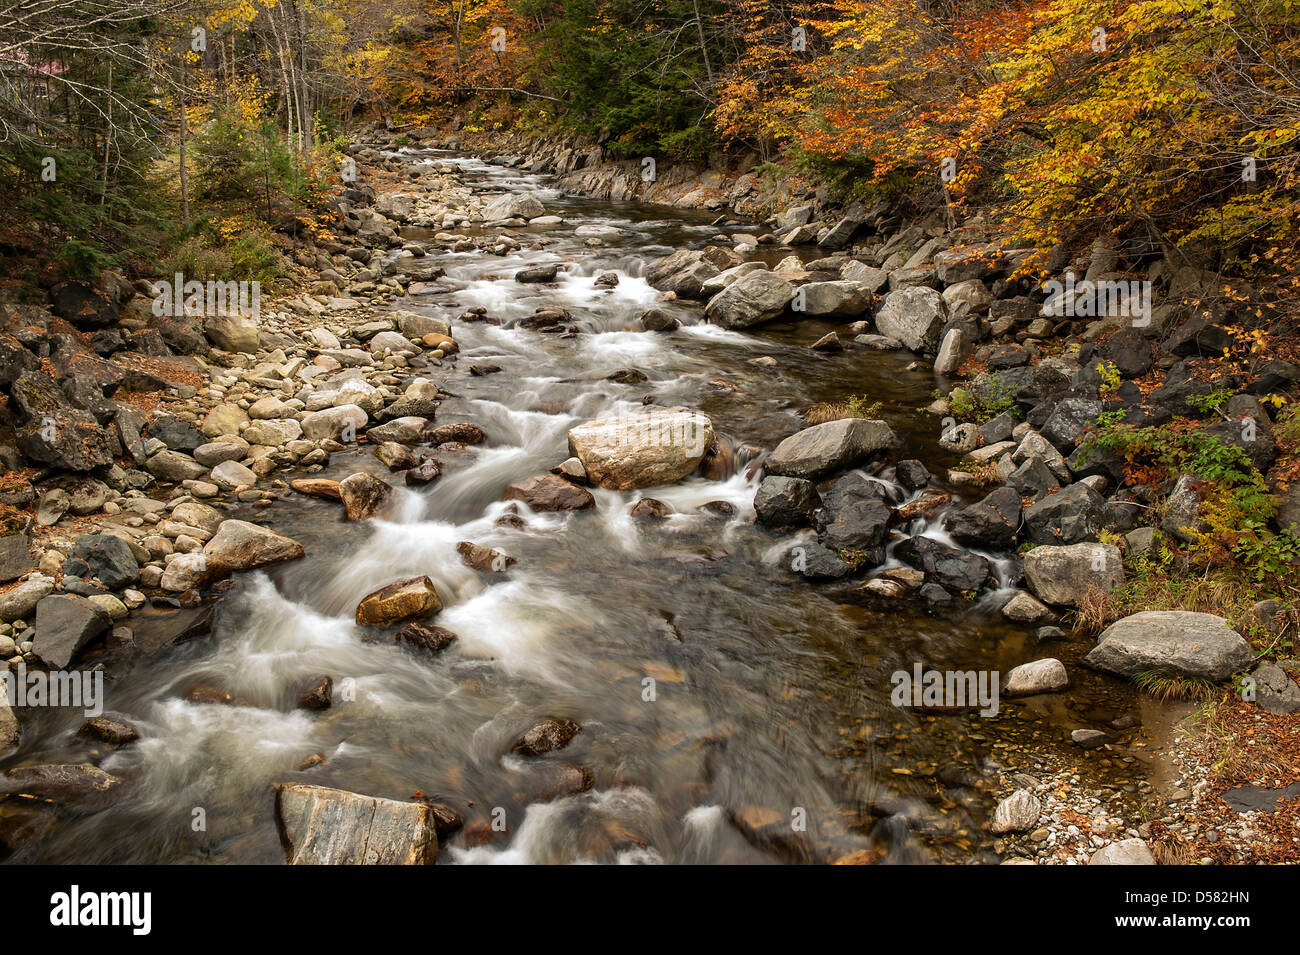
[770,696]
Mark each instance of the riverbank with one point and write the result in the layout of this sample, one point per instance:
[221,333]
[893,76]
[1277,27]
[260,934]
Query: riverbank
[337,363]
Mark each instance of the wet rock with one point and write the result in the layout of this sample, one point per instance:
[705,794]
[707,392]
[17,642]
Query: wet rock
[1064,575]
[547,781]
[425,638]
[364,496]
[71,784]
[465,432]
[818,562]
[423,473]
[914,316]
[1174,643]
[854,523]
[656,447]
[785,502]
[1124,852]
[935,598]
[1041,676]
[825,448]
[110,731]
[549,492]
[318,694]
[240,545]
[912,474]
[413,597]
[658,320]
[1089,739]
[484,559]
[1019,812]
[990,524]
[396,457]
[64,626]
[751,299]
[649,510]
[538,274]
[952,568]
[320,826]
[317,487]
[547,736]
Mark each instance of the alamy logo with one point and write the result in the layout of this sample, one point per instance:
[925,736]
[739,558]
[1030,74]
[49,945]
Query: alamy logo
[178,298]
[74,908]
[1099,299]
[79,688]
[946,689]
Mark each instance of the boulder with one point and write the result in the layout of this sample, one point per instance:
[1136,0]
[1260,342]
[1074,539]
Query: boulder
[20,602]
[751,299]
[240,545]
[914,316]
[1175,643]
[785,502]
[109,558]
[50,431]
[64,625]
[990,524]
[513,205]
[1069,516]
[1041,676]
[413,597]
[364,496]
[832,446]
[1064,575]
[341,423]
[231,333]
[952,568]
[642,450]
[1275,691]
[549,492]
[320,826]
[832,299]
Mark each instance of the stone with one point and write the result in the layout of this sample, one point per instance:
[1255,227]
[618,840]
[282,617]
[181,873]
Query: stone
[175,466]
[549,492]
[230,333]
[1019,812]
[1175,643]
[240,545]
[642,450]
[484,559]
[990,524]
[109,558]
[64,626]
[272,432]
[339,424]
[1088,738]
[224,419]
[831,300]
[914,316]
[1275,691]
[785,502]
[51,431]
[513,205]
[413,597]
[425,638]
[952,568]
[81,784]
[317,694]
[953,350]
[829,447]
[10,730]
[231,474]
[1025,608]
[1124,852]
[1072,515]
[1069,419]
[1064,575]
[15,556]
[364,496]
[320,826]
[547,736]
[19,603]
[1041,676]
[110,731]
[751,299]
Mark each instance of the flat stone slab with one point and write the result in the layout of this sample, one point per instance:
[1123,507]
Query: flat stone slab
[321,826]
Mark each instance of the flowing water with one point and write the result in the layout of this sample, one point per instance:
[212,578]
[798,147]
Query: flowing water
[769,701]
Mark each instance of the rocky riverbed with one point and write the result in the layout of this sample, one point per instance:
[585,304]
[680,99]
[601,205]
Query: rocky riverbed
[340,549]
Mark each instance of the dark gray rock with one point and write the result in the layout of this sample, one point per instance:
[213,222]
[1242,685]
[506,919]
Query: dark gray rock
[64,625]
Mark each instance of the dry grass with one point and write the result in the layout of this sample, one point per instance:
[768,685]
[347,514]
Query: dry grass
[855,406]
